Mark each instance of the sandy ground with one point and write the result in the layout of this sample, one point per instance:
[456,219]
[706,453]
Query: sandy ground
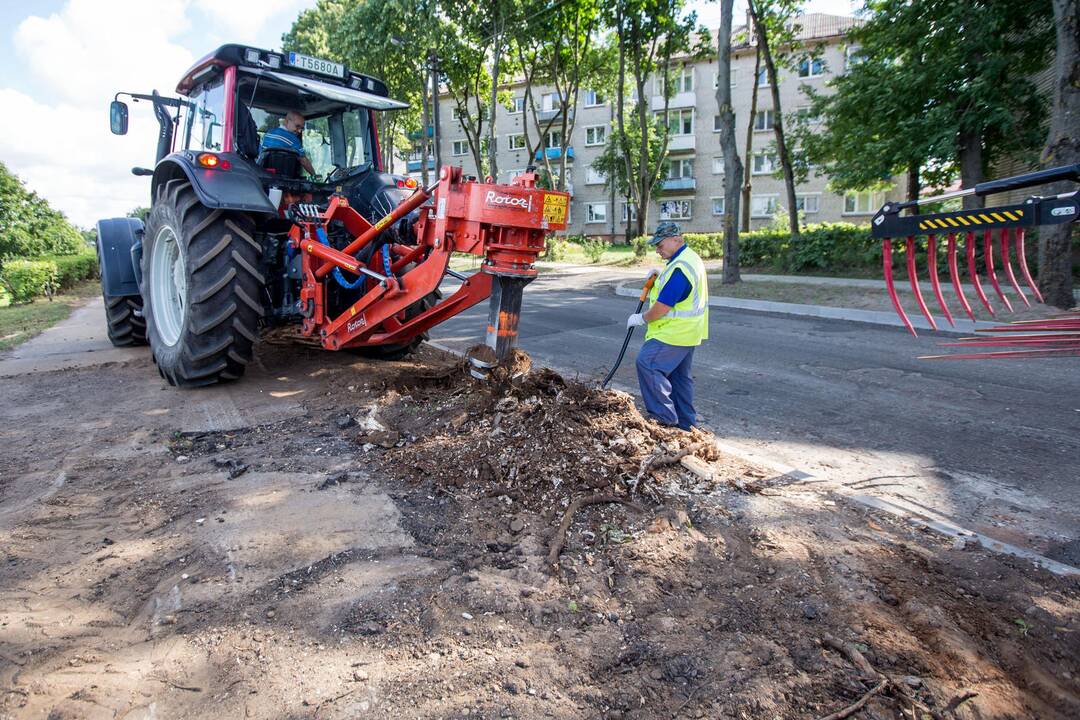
[337,538]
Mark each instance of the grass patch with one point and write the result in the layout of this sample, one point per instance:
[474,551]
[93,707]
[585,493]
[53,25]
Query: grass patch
[19,323]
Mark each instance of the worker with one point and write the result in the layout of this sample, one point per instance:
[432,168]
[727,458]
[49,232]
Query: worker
[290,136]
[677,321]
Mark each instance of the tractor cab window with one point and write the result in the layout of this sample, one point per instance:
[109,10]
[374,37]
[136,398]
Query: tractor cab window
[207,119]
[338,139]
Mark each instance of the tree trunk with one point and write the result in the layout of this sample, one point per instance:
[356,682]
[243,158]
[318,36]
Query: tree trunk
[493,163]
[971,167]
[732,167]
[778,123]
[424,147]
[1062,148]
[747,185]
[913,187]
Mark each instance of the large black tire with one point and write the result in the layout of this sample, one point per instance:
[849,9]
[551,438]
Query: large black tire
[125,322]
[205,332]
[402,350]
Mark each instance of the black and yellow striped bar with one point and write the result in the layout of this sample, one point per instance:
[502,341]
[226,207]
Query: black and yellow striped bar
[888,222]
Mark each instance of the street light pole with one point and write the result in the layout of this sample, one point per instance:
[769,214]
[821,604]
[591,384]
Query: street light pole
[433,63]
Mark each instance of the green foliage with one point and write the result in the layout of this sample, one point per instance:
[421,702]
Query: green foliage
[24,280]
[832,247]
[140,212]
[555,249]
[932,72]
[73,269]
[641,246]
[29,226]
[709,246]
[594,249]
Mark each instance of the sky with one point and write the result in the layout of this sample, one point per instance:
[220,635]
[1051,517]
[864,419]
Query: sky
[63,61]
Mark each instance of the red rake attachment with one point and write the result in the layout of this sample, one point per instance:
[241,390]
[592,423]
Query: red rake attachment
[1006,225]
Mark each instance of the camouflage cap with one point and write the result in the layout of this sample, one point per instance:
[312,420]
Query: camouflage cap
[665,230]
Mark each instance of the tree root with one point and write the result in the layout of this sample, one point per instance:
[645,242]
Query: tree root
[859,704]
[868,673]
[559,540]
[660,460]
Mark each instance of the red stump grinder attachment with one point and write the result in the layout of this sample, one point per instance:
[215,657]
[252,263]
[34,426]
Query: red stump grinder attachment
[1000,231]
[504,224]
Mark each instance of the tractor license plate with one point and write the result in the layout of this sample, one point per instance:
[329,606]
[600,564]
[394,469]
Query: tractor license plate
[323,67]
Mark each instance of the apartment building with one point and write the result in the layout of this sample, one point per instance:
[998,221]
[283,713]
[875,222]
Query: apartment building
[692,191]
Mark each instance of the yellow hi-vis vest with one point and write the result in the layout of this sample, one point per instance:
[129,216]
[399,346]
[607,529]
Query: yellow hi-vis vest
[687,323]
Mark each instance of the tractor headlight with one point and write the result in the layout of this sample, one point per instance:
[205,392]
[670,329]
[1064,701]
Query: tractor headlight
[274,61]
[251,56]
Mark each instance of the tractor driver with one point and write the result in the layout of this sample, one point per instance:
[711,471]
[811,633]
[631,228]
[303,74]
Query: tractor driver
[289,137]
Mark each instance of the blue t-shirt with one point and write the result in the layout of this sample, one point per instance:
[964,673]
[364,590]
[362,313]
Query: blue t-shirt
[281,139]
[678,287]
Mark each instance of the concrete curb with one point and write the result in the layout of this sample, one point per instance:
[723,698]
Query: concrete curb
[870,317]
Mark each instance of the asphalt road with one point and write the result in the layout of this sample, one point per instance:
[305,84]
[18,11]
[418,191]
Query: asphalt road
[992,445]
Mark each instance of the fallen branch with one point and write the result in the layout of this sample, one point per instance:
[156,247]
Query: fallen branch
[859,704]
[851,653]
[658,460]
[559,540]
[178,686]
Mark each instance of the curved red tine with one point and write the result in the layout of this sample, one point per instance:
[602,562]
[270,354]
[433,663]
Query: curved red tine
[913,275]
[931,250]
[954,276]
[970,243]
[1006,354]
[988,251]
[1021,258]
[1004,235]
[886,254]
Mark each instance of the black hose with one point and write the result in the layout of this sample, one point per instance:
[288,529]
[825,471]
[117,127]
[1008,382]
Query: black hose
[622,352]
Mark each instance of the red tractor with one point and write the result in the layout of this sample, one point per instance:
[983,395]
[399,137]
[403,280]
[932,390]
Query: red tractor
[238,239]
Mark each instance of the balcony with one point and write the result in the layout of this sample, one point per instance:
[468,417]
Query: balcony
[555,153]
[678,184]
[678,100]
[414,165]
[678,143]
[545,115]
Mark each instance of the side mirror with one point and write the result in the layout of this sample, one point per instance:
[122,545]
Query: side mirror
[118,118]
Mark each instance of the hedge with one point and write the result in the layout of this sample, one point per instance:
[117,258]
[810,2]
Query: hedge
[73,269]
[825,246]
[26,279]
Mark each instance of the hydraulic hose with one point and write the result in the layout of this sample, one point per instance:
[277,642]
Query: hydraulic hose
[629,331]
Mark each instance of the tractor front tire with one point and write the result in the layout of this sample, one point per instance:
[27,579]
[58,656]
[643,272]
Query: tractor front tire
[125,322]
[203,288]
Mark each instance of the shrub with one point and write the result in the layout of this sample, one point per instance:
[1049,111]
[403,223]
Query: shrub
[822,247]
[555,249]
[26,279]
[641,246]
[594,249]
[73,269]
[708,245]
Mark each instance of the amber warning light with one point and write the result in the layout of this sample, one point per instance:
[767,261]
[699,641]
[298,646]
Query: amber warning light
[210,160]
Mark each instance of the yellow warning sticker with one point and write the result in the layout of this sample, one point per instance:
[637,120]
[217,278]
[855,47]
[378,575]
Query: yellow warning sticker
[555,207]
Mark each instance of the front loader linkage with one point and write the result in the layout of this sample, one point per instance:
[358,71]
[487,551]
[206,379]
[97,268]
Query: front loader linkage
[993,231]
[504,224]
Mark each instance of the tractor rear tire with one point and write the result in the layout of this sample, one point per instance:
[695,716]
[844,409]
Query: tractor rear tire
[203,288]
[125,322]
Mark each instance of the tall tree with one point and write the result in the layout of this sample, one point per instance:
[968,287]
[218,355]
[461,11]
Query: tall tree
[747,187]
[775,30]
[733,169]
[1062,148]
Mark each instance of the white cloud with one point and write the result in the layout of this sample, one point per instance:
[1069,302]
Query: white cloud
[243,21]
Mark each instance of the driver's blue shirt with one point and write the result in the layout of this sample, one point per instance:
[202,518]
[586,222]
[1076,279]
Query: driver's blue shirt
[281,139]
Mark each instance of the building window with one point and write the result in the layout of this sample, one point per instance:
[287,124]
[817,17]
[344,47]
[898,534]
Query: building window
[716,122]
[811,67]
[515,142]
[853,55]
[594,99]
[684,80]
[596,212]
[806,115]
[681,122]
[553,139]
[718,165]
[862,203]
[517,105]
[460,147]
[594,177]
[762,206]
[629,212]
[717,206]
[808,204]
[676,209]
[764,120]
[514,174]
[764,163]
[549,102]
[763,77]
[595,135]
[678,168]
